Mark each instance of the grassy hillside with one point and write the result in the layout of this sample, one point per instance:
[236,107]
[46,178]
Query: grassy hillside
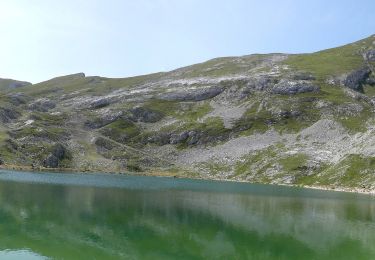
[303,119]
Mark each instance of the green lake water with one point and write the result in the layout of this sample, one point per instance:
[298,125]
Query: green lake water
[97,216]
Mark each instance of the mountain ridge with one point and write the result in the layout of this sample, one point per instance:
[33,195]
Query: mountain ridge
[296,119]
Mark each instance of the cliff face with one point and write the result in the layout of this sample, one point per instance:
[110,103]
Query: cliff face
[277,118]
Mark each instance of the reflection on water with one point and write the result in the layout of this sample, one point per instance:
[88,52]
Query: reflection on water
[20,254]
[159,218]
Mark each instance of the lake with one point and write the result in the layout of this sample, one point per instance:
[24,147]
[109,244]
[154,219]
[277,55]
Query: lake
[98,216]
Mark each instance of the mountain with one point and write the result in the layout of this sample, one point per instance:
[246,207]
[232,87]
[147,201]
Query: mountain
[301,119]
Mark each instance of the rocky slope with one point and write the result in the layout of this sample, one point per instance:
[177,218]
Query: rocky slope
[305,119]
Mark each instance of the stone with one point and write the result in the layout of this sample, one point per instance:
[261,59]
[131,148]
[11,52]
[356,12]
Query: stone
[179,138]
[103,120]
[370,81]
[99,103]
[42,105]
[294,87]
[141,114]
[198,94]
[17,99]
[369,55]
[8,114]
[355,79]
[51,161]
[58,152]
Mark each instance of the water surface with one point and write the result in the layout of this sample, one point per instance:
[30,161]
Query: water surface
[78,216]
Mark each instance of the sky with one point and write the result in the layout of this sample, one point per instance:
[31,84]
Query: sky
[42,39]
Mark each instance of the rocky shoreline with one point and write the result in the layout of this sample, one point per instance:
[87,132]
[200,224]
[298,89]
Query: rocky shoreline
[168,174]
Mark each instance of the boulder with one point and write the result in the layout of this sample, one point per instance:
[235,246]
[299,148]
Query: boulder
[17,99]
[57,153]
[197,94]
[42,105]
[99,103]
[194,137]
[141,114]
[369,55]
[355,79]
[370,81]
[103,120]
[51,161]
[8,114]
[159,139]
[294,87]
[259,83]
[179,137]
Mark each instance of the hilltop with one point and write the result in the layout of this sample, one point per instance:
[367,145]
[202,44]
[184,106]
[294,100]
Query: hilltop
[301,119]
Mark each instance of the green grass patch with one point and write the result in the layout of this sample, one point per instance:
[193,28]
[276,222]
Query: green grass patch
[295,162]
[121,130]
[329,62]
[356,123]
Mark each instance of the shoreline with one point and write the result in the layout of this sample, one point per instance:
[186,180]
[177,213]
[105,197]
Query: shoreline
[169,174]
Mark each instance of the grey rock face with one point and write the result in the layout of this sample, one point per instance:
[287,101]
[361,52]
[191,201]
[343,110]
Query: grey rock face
[160,139]
[193,94]
[99,103]
[7,114]
[42,105]
[287,114]
[102,121]
[260,83]
[355,79]
[286,87]
[58,153]
[17,99]
[370,81]
[179,138]
[141,114]
[243,88]
[51,161]
[369,55]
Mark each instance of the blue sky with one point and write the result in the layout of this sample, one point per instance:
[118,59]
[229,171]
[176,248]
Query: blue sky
[41,39]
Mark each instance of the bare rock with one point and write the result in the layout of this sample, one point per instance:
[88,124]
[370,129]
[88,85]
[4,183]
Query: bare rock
[99,103]
[369,55]
[179,138]
[102,120]
[42,105]
[196,94]
[141,114]
[51,161]
[18,99]
[8,114]
[286,87]
[58,152]
[358,77]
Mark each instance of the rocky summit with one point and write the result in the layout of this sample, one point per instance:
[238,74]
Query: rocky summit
[299,119]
